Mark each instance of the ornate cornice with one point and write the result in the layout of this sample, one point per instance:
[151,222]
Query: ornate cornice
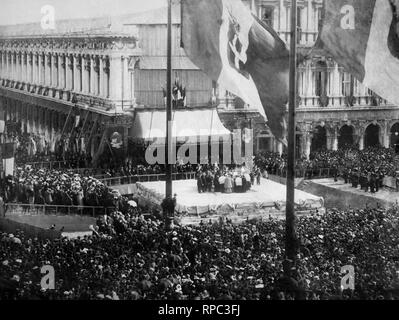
[69,44]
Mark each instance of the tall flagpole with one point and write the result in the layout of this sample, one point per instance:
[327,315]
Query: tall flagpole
[291,246]
[168,142]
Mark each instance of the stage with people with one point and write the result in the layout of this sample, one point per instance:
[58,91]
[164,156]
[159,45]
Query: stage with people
[265,199]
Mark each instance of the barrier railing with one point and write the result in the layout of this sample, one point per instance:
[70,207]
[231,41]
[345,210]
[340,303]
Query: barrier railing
[53,165]
[115,181]
[307,174]
[38,209]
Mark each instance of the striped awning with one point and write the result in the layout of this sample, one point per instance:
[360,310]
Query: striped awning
[150,125]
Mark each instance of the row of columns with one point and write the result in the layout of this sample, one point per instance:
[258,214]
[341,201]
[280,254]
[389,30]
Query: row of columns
[81,73]
[333,85]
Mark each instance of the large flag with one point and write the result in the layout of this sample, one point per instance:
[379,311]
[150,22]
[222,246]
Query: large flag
[361,35]
[2,122]
[245,56]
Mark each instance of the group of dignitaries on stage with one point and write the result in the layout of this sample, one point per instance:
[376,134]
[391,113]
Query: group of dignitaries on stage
[368,179]
[238,180]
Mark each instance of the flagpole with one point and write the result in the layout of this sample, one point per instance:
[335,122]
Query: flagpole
[169,145]
[291,247]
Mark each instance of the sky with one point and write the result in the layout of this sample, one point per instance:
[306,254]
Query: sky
[25,11]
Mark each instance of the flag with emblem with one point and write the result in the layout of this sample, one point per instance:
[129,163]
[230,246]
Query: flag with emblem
[245,56]
[361,35]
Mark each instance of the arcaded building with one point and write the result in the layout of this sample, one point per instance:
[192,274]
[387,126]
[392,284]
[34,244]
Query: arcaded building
[107,75]
[334,109]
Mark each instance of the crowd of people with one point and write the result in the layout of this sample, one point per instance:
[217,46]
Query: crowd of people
[133,257]
[56,187]
[237,179]
[369,165]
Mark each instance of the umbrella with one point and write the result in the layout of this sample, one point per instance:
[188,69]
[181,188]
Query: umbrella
[16,240]
[132,204]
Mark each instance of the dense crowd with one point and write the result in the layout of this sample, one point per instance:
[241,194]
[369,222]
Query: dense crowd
[56,187]
[131,257]
[372,161]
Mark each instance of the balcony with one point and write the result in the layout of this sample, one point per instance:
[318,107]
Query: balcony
[305,38]
[97,104]
[342,102]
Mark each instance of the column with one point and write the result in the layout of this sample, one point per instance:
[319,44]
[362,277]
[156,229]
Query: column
[3,64]
[361,140]
[308,146]
[54,69]
[23,68]
[33,69]
[101,89]
[126,81]
[85,67]
[336,88]
[93,76]
[69,73]
[39,69]
[61,72]
[132,96]
[12,66]
[26,67]
[87,73]
[310,16]
[76,73]
[309,84]
[17,66]
[283,26]
[385,131]
[107,77]
[115,78]
[48,69]
[8,65]
[335,140]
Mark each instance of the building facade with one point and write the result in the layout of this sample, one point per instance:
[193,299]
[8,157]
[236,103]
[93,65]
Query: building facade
[334,108]
[88,78]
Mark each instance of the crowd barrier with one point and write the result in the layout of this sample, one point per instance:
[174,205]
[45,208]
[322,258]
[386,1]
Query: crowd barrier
[308,174]
[117,181]
[56,165]
[38,209]
[299,173]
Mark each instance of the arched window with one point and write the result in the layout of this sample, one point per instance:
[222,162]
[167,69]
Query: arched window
[348,84]
[372,136]
[319,141]
[320,72]
[345,137]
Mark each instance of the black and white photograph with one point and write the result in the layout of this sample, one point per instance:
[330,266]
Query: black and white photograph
[213,151]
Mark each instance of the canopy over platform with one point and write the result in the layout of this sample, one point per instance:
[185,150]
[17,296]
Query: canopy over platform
[151,125]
